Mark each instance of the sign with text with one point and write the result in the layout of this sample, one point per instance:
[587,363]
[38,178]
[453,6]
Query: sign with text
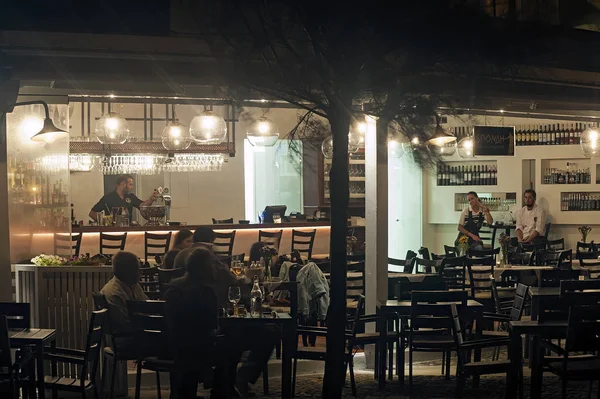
[494,141]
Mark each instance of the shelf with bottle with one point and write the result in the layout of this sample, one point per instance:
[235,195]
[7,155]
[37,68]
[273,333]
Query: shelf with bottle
[467,174]
[32,187]
[356,172]
[496,202]
[552,134]
[580,201]
[564,171]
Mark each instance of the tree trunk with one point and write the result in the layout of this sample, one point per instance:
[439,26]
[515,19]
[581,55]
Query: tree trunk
[335,368]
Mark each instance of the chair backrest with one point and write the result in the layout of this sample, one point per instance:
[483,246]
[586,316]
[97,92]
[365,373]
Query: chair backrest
[112,242]
[431,309]
[355,282]
[457,327]
[407,265]
[18,315]
[156,244]
[6,362]
[552,278]
[222,221]
[93,345]
[149,326]
[556,245]
[479,279]
[222,244]
[488,256]
[519,258]
[583,247]
[588,258]
[453,272]
[450,250]
[273,238]
[580,292]
[404,287]
[303,241]
[487,236]
[426,266]
[67,245]
[424,252]
[410,254]
[516,311]
[149,281]
[583,331]
[166,275]
[100,301]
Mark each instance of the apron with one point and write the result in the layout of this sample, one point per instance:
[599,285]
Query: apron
[473,225]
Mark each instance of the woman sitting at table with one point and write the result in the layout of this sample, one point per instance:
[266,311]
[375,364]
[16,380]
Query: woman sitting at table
[471,220]
[183,240]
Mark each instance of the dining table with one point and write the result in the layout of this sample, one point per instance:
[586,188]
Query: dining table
[289,339]
[37,338]
[401,308]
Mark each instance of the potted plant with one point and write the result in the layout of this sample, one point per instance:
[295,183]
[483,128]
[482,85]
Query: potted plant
[48,260]
[584,230]
[504,241]
[463,245]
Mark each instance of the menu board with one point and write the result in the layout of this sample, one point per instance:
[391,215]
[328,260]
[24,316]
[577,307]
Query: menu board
[494,141]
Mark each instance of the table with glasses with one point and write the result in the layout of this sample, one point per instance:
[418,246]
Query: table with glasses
[38,338]
[288,325]
[401,308]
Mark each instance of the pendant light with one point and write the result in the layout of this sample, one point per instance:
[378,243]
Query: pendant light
[440,136]
[112,128]
[590,142]
[263,132]
[208,127]
[465,147]
[175,136]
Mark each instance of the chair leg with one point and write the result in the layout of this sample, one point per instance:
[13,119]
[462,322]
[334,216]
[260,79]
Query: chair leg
[443,363]
[278,350]
[410,369]
[390,360]
[352,381]
[112,378]
[158,393]
[598,389]
[138,379]
[294,369]
[448,362]
[398,365]
[376,368]
[265,374]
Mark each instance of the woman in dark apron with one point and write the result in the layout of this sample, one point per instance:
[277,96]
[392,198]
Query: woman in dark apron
[471,220]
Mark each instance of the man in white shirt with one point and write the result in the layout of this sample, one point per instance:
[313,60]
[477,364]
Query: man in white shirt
[531,221]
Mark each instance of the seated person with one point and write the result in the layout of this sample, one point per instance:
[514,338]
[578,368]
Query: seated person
[202,237]
[192,310]
[122,287]
[472,218]
[531,221]
[183,240]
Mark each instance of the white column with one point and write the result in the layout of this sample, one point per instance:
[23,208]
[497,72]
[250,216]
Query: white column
[376,212]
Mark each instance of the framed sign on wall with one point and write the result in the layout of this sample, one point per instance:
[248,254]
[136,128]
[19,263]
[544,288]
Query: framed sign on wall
[494,141]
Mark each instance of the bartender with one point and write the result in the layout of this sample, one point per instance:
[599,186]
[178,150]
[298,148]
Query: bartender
[471,220]
[121,197]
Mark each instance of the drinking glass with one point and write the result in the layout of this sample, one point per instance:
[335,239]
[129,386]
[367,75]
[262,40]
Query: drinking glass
[237,268]
[234,296]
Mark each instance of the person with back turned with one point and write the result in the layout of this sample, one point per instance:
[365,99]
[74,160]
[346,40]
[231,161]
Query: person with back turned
[121,197]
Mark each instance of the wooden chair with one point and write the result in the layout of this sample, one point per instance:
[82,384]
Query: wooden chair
[355,284]
[529,247]
[18,315]
[67,245]
[553,278]
[404,287]
[15,375]
[556,245]
[479,281]
[303,241]
[586,247]
[148,321]
[544,257]
[424,252]
[166,275]
[450,250]
[466,367]
[589,262]
[426,266]
[453,272]
[149,282]
[487,235]
[222,221]
[487,256]
[112,242]
[223,244]
[407,265]
[320,353]
[86,359]
[272,238]
[156,244]
[430,328]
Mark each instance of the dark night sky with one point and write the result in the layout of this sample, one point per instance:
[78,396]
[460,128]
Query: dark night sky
[138,17]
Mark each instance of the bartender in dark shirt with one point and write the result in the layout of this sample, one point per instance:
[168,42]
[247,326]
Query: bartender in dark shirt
[122,197]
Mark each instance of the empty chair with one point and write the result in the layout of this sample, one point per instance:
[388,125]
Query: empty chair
[15,375]
[479,279]
[222,221]
[552,278]
[405,266]
[556,245]
[545,257]
[450,250]
[426,266]
[18,315]
[453,272]
[223,243]
[156,244]
[67,245]
[404,287]
[487,235]
[355,284]
[112,243]
[424,252]
[303,241]
[486,256]
[531,247]
[583,247]
[272,238]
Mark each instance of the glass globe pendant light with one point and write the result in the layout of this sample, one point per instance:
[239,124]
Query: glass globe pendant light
[395,149]
[465,147]
[590,142]
[327,147]
[112,128]
[175,136]
[263,133]
[208,127]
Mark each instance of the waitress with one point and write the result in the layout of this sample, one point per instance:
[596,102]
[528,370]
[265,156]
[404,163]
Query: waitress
[471,220]
[121,197]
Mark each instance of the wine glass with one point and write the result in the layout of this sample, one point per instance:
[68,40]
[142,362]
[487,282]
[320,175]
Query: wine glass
[237,268]
[234,296]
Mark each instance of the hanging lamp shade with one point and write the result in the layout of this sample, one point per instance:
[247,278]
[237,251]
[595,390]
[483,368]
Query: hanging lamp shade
[441,137]
[112,128]
[49,132]
[590,142]
[175,136]
[208,128]
[263,132]
[327,147]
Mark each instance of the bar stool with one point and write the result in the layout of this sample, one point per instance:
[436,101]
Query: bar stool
[223,244]
[67,244]
[118,239]
[303,241]
[273,238]
[156,244]
[222,221]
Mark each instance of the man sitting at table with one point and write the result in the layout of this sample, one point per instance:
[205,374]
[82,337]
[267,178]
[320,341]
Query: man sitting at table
[531,221]
[122,287]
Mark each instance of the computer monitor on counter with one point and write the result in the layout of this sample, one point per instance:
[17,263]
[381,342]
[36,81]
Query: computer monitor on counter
[270,210]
